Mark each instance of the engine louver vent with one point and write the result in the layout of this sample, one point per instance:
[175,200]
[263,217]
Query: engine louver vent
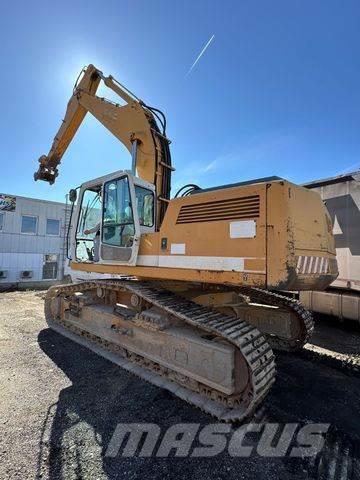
[231,209]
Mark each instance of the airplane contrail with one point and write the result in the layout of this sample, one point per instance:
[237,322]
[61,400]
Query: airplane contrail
[201,54]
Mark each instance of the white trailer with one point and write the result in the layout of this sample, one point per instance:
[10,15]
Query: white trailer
[341,195]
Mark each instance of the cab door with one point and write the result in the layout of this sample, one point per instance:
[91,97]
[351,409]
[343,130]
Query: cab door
[85,224]
[120,232]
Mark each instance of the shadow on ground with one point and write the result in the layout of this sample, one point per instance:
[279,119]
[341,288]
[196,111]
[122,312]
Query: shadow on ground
[342,337]
[79,427]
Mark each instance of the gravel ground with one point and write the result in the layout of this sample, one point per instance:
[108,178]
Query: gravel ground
[60,404]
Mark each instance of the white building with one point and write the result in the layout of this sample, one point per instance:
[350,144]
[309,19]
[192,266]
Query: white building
[32,241]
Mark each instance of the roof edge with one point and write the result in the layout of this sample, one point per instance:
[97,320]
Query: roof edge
[332,180]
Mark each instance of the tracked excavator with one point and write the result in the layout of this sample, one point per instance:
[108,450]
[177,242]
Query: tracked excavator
[185,292]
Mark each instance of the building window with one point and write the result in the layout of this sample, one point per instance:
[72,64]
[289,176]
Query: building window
[28,224]
[2,218]
[52,227]
[50,267]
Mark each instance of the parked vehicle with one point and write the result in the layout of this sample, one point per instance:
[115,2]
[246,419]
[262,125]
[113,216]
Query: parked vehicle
[192,306]
[341,195]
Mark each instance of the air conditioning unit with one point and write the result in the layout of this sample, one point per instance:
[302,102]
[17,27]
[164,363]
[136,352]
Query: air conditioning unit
[26,274]
[3,274]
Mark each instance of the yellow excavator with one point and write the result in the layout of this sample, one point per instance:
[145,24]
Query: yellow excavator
[185,292]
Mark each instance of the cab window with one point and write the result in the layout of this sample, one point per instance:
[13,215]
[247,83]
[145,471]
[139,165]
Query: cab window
[145,206]
[118,223]
[89,219]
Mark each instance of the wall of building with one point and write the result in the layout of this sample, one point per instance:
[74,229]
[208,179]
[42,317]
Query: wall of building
[28,252]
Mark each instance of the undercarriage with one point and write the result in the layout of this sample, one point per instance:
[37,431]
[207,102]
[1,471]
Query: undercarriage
[209,346]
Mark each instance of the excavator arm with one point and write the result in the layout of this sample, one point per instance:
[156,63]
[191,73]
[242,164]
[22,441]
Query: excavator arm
[132,122]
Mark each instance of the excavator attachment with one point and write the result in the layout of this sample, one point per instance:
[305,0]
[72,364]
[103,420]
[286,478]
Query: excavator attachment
[46,173]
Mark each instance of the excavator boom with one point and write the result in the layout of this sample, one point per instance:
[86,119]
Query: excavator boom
[74,116]
[132,122]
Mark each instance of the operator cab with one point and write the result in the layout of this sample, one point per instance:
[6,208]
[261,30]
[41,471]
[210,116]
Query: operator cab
[111,214]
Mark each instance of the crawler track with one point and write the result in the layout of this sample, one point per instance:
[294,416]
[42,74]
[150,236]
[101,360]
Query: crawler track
[303,317]
[252,345]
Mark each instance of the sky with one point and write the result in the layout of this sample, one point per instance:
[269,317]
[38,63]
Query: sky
[276,91]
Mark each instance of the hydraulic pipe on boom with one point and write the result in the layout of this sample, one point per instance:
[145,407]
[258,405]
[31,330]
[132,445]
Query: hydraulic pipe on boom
[134,124]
